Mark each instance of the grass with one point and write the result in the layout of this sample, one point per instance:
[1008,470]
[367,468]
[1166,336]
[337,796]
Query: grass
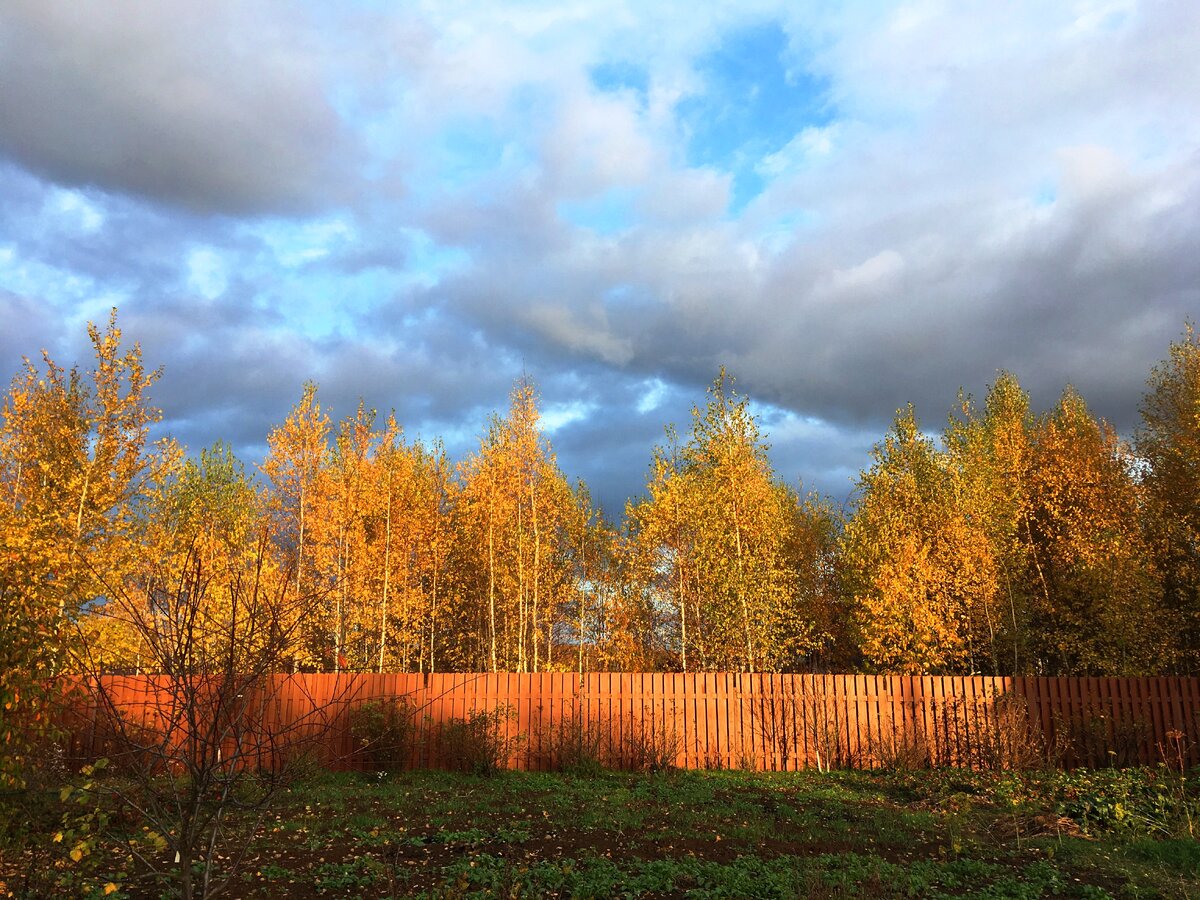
[725,834]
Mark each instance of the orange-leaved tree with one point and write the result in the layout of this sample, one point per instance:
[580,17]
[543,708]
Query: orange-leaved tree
[75,464]
[296,455]
[912,563]
[1096,604]
[511,565]
[1169,444]
[714,541]
[990,455]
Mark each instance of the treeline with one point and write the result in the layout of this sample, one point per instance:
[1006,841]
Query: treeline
[1020,542]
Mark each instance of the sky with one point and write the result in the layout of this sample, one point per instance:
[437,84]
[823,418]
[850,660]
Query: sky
[851,206]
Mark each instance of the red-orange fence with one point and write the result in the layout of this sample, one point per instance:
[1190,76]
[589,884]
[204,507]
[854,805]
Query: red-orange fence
[718,720]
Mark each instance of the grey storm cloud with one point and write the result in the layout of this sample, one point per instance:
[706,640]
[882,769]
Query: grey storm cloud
[217,107]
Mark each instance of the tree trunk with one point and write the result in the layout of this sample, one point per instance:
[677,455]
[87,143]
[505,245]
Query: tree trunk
[387,572]
[492,586]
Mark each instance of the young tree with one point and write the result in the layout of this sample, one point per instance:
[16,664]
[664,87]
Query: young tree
[825,632]
[658,559]
[990,461]
[194,738]
[1169,444]
[341,638]
[911,567]
[296,455]
[434,501]
[1096,608]
[711,541]
[590,548]
[510,522]
[74,465]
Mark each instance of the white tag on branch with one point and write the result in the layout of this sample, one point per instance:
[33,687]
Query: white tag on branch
[176,856]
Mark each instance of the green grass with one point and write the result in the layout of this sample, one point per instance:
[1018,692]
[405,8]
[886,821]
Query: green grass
[728,834]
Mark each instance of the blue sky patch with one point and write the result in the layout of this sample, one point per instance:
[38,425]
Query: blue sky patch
[608,213]
[752,105]
[614,77]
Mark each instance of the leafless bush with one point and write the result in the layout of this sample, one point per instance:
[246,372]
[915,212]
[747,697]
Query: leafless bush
[643,744]
[1101,738]
[1003,736]
[798,723]
[904,746]
[575,744]
[198,738]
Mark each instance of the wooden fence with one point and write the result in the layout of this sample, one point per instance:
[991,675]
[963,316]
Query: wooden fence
[706,720]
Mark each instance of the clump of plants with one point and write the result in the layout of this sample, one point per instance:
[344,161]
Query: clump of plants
[646,746]
[384,733]
[576,746]
[480,743]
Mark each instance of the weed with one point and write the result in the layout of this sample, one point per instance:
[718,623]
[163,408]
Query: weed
[1175,781]
[346,877]
[902,748]
[1101,738]
[1003,736]
[724,834]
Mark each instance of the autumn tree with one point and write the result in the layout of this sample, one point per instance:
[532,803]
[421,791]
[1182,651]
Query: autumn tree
[659,560]
[911,565]
[990,457]
[296,454]
[511,566]
[214,631]
[590,546]
[434,499]
[1169,444]
[342,637]
[404,516]
[711,541]
[1096,594]
[811,546]
[208,504]
[75,461]
[389,537]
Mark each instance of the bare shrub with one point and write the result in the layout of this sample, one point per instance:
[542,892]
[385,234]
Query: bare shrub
[198,737]
[816,712]
[774,725]
[644,744]
[576,745]
[901,748]
[1101,738]
[1005,737]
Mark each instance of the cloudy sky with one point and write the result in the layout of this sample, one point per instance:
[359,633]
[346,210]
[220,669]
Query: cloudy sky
[851,208]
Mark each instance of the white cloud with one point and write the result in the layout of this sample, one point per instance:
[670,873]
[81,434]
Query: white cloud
[808,147]
[588,335]
[76,210]
[556,416]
